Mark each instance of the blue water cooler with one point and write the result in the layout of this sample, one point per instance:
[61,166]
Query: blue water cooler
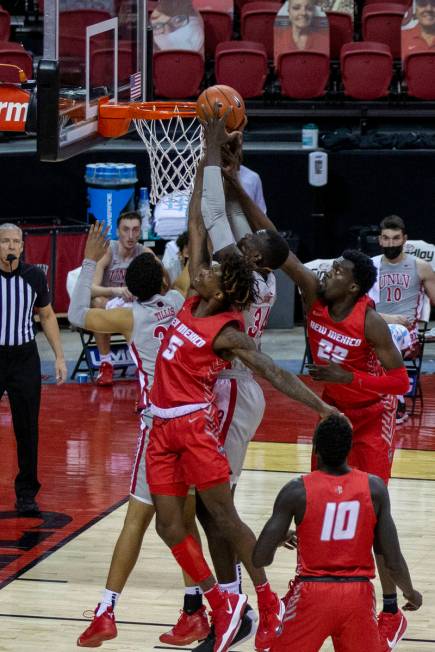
[111,191]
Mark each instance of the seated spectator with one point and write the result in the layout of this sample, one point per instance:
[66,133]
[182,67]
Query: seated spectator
[305,27]
[418,29]
[176,256]
[177,26]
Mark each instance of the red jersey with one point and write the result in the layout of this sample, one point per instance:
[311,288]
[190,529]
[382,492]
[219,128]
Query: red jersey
[337,531]
[343,342]
[186,365]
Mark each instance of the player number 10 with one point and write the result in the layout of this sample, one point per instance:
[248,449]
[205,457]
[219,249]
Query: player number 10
[340,521]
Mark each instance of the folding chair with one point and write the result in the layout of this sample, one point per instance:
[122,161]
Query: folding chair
[89,358]
[413,358]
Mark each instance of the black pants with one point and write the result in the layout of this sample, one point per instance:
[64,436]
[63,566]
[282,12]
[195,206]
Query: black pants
[20,376]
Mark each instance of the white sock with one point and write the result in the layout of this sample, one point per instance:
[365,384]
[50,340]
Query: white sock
[106,357]
[109,599]
[231,587]
[192,590]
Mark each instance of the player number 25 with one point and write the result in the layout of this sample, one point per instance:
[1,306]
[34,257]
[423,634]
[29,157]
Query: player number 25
[340,521]
[173,345]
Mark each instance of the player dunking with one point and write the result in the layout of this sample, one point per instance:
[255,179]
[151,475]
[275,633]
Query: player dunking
[340,514]
[143,326]
[184,449]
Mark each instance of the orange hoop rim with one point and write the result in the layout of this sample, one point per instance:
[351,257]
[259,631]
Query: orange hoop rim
[114,119]
[162,110]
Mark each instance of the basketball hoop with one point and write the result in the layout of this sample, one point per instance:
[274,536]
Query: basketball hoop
[172,135]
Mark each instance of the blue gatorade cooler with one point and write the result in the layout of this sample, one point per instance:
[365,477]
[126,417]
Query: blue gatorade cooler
[111,191]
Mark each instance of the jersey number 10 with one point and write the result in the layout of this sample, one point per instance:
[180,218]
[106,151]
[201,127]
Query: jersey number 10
[340,521]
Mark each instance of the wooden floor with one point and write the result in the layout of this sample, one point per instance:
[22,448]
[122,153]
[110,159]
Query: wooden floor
[42,608]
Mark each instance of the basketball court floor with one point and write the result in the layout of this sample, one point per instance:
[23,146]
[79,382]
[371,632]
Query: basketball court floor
[54,567]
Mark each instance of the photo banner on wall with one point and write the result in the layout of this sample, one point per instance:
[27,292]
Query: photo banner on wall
[300,25]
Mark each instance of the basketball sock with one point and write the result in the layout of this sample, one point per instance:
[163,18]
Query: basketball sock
[264,594]
[390,603]
[106,357]
[214,596]
[230,587]
[192,599]
[239,575]
[109,599]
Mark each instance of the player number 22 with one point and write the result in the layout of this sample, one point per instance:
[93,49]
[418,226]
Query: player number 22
[173,345]
[329,351]
[340,521]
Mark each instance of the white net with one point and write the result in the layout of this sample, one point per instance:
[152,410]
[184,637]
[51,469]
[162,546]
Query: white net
[174,147]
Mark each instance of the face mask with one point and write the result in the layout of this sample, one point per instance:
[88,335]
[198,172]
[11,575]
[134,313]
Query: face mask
[392,252]
[189,37]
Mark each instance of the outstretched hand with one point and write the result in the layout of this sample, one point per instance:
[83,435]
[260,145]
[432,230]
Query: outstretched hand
[216,134]
[330,373]
[97,242]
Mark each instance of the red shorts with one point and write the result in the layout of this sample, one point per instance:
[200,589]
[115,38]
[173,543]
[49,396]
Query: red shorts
[345,611]
[185,451]
[373,441]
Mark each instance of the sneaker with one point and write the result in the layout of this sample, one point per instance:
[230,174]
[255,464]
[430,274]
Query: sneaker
[401,413]
[392,628]
[208,644]
[26,505]
[105,375]
[246,630]
[102,628]
[189,628]
[270,625]
[226,620]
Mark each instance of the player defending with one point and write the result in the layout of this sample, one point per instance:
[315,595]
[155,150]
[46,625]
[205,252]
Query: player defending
[184,448]
[340,514]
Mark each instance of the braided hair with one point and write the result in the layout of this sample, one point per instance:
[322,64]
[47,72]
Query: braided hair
[333,439]
[238,282]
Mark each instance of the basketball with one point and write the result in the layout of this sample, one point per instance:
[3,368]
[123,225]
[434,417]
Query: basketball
[225,97]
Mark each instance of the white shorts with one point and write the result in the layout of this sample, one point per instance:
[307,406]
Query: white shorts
[240,402]
[139,486]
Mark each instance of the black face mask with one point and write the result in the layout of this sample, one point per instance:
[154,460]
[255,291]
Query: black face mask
[392,252]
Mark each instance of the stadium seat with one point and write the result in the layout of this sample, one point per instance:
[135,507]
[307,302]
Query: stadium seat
[303,75]
[242,65]
[102,65]
[366,70]
[257,23]
[177,74]
[404,3]
[11,45]
[241,4]
[382,23]
[76,20]
[218,27]
[19,58]
[5,24]
[419,73]
[340,31]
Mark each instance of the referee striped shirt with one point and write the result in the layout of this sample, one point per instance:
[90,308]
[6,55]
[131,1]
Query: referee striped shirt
[20,292]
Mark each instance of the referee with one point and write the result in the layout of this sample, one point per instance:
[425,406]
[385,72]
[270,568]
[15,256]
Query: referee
[22,288]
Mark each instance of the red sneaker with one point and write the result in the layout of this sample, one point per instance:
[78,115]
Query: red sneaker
[105,375]
[226,620]
[270,625]
[189,628]
[392,628]
[102,628]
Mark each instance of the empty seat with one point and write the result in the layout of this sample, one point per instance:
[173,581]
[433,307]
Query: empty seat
[419,73]
[101,71]
[242,65]
[340,31]
[382,23]
[11,45]
[241,4]
[366,70]
[304,74]
[218,27]
[257,24]
[19,58]
[76,20]
[5,24]
[177,74]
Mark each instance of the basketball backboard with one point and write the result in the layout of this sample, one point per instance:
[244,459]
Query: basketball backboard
[93,50]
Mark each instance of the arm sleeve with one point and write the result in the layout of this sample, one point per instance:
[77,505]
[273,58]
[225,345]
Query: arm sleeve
[81,298]
[213,209]
[395,381]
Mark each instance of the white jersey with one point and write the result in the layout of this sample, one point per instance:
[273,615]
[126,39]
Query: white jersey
[257,316]
[151,319]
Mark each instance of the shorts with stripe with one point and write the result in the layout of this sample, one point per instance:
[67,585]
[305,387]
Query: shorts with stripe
[139,488]
[240,402]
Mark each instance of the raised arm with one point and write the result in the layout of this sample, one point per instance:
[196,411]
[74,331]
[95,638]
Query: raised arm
[199,256]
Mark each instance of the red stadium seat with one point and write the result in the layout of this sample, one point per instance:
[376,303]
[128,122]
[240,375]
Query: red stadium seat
[76,20]
[177,74]
[11,45]
[5,24]
[419,72]
[382,23]
[218,27]
[241,4]
[102,65]
[19,58]
[340,32]
[257,24]
[304,74]
[243,66]
[366,70]
[404,3]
